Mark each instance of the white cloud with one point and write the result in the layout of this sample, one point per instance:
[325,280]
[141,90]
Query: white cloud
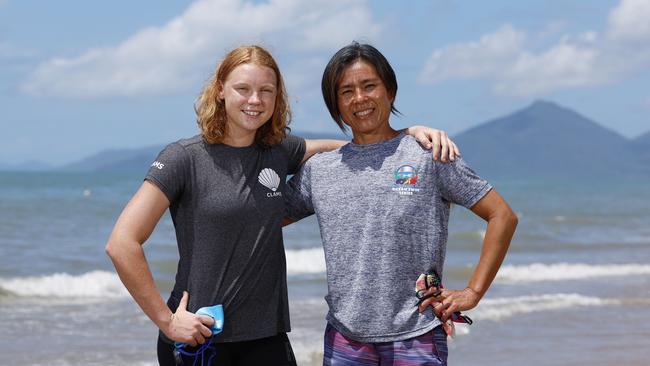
[567,64]
[575,60]
[166,59]
[460,61]
[501,57]
[630,21]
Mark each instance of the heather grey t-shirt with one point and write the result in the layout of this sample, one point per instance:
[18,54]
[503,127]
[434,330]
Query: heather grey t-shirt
[227,207]
[383,211]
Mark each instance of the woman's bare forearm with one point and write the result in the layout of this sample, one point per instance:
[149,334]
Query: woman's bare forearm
[322,145]
[501,225]
[131,265]
[124,247]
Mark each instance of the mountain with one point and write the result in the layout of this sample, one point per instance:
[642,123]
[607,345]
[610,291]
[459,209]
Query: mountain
[117,160]
[543,140]
[546,140]
[643,139]
[641,146]
[139,160]
[28,166]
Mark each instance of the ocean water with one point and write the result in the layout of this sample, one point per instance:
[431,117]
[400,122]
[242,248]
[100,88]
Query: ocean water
[574,289]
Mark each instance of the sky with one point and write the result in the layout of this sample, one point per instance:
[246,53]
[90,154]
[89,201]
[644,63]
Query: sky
[77,77]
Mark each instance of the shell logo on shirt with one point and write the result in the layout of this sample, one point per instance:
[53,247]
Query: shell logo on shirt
[406,178]
[270,179]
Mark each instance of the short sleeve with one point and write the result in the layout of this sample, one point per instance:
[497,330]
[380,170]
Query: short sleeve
[169,171]
[298,194]
[295,148]
[458,183]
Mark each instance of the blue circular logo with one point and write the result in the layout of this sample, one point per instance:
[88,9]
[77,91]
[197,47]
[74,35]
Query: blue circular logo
[406,175]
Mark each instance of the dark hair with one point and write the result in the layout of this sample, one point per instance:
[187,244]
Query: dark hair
[345,57]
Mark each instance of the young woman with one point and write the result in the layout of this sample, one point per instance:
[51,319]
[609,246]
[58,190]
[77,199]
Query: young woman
[224,192]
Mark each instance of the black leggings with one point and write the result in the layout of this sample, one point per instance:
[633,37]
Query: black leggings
[272,351]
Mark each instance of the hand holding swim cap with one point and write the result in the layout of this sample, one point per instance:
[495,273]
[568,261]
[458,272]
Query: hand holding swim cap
[427,297]
[187,327]
[455,301]
[446,304]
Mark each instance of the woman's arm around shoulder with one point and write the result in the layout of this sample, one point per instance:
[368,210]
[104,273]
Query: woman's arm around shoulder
[321,145]
[430,138]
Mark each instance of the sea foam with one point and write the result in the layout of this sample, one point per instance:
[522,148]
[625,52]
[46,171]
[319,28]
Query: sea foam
[305,261]
[566,271]
[105,284]
[501,308]
[95,284]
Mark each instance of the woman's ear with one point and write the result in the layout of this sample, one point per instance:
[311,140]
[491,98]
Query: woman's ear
[220,92]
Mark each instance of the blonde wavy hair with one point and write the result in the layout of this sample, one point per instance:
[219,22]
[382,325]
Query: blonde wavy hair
[211,111]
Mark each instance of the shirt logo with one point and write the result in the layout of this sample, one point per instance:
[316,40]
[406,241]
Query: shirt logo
[270,179]
[158,165]
[406,175]
[406,179]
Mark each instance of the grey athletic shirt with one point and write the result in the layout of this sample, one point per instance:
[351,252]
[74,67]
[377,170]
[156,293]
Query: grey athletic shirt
[227,207]
[383,211]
